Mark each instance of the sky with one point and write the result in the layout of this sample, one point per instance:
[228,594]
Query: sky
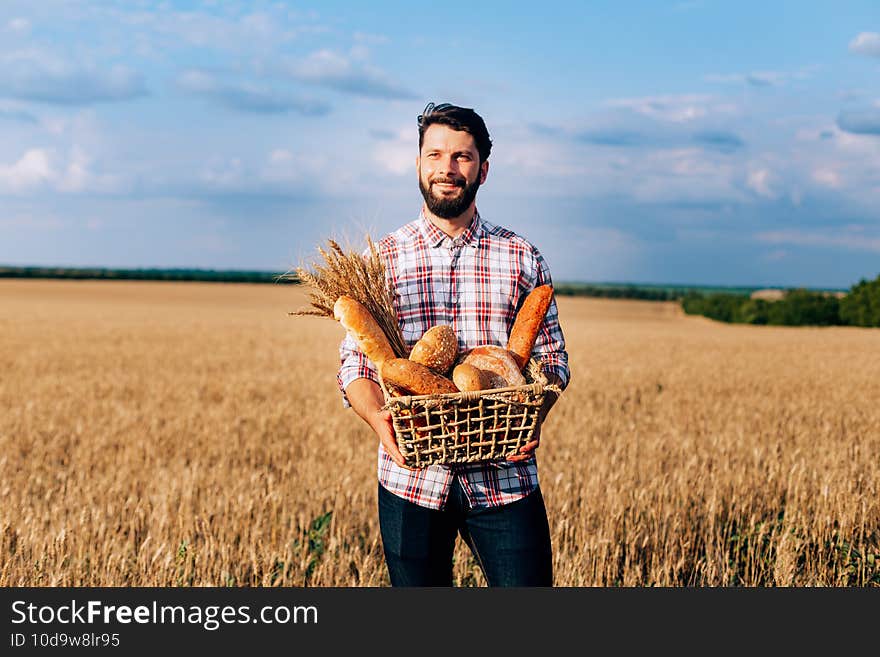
[693,142]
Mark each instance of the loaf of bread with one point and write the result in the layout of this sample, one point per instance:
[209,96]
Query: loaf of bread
[528,322]
[466,377]
[363,328]
[497,364]
[394,391]
[436,349]
[414,378]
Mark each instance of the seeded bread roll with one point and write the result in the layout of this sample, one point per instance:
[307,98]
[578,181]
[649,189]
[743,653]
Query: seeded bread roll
[414,378]
[436,349]
[528,322]
[361,325]
[466,377]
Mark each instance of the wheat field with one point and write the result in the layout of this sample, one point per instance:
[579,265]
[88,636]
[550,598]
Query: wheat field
[186,434]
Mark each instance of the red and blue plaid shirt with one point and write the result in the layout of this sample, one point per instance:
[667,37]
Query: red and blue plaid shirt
[474,283]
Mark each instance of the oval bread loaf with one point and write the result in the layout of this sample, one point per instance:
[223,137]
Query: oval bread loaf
[498,365]
[528,323]
[466,377]
[363,328]
[414,377]
[436,349]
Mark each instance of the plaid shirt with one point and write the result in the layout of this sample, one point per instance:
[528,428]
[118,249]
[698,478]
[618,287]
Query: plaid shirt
[474,283]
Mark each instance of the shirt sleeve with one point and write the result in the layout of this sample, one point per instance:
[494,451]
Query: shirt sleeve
[550,342]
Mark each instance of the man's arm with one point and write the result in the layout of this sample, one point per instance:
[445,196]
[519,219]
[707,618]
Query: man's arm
[549,347]
[550,399]
[365,397]
[550,396]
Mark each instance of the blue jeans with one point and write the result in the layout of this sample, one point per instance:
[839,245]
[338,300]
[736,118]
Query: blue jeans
[511,542]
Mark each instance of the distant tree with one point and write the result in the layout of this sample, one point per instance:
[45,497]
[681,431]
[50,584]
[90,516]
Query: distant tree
[754,311]
[802,307]
[720,306]
[861,306]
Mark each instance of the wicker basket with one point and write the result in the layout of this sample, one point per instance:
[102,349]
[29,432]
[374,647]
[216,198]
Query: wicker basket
[467,427]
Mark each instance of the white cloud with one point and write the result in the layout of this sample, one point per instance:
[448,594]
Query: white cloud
[168,28]
[20,25]
[347,74]
[77,177]
[363,44]
[223,172]
[42,76]
[761,181]
[285,167]
[827,177]
[680,176]
[851,237]
[397,155]
[31,170]
[248,96]
[280,156]
[823,159]
[763,78]
[40,169]
[675,108]
[866,43]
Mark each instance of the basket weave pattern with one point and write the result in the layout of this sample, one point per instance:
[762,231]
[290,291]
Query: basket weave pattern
[467,427]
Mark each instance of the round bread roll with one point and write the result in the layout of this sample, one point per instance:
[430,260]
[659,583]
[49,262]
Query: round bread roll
[466,377]
[436,349]
[497,363]
[415,378]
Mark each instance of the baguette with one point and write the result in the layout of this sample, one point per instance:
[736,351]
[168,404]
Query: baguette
[528,323]
[414,378]
[363,328]
[436,349]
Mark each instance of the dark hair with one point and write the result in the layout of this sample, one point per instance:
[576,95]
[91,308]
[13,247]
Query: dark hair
[457,118]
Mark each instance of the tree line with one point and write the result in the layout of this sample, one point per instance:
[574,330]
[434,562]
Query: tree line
[99,273]
[799,307]
[860,306]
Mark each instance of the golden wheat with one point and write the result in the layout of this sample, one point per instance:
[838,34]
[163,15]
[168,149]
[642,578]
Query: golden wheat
[192,434]
[360,276]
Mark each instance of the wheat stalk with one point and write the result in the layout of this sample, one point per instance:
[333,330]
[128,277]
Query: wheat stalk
[359,276]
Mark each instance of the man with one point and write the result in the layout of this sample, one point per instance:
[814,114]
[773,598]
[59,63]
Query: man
[452,267]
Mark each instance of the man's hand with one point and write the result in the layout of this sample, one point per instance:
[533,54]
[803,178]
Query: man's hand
[527,450]
[382,426]
[365,397]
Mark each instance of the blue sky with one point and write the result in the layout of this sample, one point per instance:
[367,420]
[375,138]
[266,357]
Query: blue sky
[688,141]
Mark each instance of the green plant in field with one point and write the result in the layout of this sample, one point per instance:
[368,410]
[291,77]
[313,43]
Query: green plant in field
[315,541]
[861,566]
[184,557]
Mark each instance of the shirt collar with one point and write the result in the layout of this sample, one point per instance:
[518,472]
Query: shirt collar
[435,237]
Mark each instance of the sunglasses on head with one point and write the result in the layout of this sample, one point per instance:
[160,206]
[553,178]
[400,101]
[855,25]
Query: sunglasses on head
[430,108]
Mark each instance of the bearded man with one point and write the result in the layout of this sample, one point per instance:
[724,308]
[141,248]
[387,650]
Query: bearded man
[450,266]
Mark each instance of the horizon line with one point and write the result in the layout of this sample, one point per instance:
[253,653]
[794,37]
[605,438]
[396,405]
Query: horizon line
[559,282]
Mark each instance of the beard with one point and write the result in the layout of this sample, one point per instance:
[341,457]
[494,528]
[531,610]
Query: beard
[451,206]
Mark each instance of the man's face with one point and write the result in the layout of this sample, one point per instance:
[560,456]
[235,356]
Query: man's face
[449,170]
